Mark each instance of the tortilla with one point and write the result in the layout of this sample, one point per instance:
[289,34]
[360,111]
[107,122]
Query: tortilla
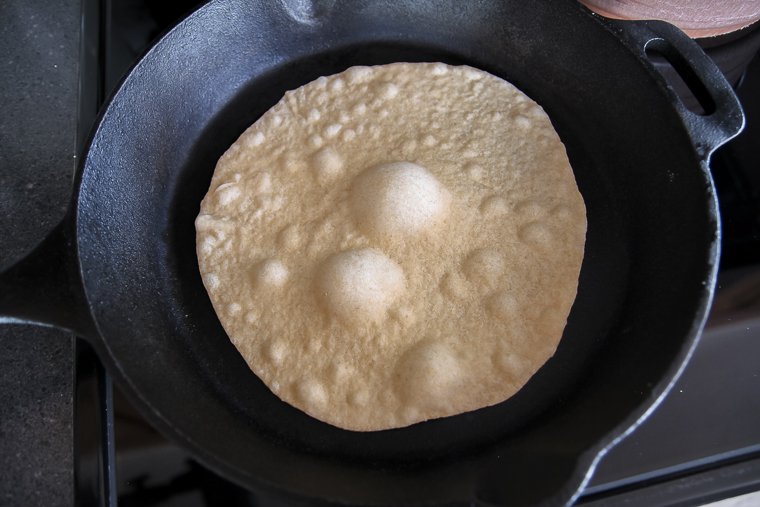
[393,244]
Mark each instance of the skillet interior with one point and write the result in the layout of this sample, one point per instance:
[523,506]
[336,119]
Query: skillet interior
[651,227]
[423,441]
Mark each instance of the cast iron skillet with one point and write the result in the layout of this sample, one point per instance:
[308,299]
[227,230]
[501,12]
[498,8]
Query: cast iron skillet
[121,269]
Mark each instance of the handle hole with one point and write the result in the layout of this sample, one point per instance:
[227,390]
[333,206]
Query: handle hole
[680,76]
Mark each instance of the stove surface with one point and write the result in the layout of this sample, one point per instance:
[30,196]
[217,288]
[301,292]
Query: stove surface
[701,444]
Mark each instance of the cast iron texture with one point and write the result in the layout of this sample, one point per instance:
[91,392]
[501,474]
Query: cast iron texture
[645,284]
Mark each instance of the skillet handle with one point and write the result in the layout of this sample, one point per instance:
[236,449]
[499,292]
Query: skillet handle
[45,287]
[723,118]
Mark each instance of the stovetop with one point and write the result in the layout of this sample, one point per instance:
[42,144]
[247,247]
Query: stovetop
[701,444]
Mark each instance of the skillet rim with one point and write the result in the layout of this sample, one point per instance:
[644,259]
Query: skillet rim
[592,455]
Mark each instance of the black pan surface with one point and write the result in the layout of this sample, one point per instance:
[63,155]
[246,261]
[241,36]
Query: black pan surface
[645,284]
